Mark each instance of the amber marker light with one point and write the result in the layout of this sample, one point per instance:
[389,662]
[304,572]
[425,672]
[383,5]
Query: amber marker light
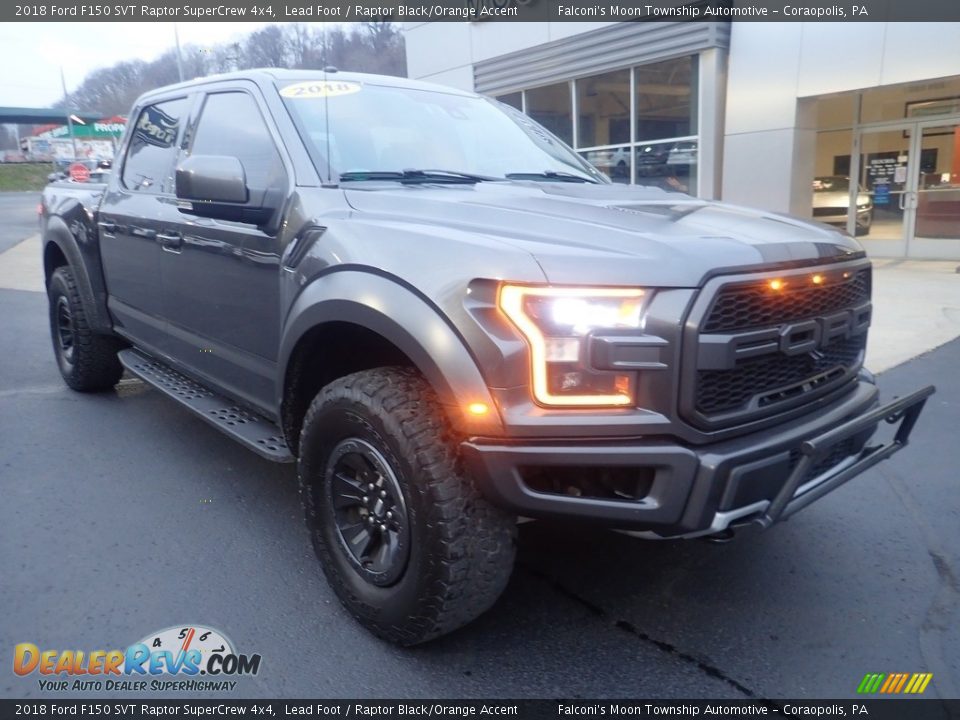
[817,279]
[478,409]
[777,284]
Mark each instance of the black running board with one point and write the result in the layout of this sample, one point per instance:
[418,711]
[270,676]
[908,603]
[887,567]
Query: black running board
[247,428]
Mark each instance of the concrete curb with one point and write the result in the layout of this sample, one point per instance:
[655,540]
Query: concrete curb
[21,267]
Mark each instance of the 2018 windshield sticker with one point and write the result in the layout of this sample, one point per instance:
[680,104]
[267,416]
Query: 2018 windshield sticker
[320,88]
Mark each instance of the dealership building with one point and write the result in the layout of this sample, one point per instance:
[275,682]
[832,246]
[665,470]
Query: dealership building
[857,124]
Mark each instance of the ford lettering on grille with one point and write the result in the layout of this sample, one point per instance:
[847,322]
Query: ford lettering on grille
[758,351]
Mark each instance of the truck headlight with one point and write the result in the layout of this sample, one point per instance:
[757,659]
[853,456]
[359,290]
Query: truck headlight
[555,322]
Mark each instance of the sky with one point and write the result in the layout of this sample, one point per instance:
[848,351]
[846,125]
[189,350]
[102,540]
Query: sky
[31,53]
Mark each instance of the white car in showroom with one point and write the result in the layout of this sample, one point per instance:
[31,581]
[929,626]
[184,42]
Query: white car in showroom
[831,203]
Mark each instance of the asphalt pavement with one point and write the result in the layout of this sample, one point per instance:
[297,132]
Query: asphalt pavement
[122,514]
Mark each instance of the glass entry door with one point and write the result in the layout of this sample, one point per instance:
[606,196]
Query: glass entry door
[879,207]
[904,190]
[936,226]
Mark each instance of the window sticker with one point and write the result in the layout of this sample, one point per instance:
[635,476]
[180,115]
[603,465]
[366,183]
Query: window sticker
[320,88]
[157,128]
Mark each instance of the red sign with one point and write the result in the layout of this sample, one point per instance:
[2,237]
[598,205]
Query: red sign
[79,172]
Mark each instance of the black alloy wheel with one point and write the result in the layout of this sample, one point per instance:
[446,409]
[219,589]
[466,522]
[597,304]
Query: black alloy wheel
[66,340]
[369,511]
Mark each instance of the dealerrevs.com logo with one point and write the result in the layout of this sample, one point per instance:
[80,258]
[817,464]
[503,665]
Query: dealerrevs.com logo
[188,658]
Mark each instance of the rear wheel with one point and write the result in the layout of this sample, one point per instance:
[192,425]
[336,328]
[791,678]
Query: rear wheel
[88,361]
[405,539]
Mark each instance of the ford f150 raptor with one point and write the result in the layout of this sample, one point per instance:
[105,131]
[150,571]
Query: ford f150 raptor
[449,320]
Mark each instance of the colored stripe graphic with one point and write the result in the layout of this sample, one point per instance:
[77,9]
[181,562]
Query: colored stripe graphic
[894,683]
[870,683]
[903,681]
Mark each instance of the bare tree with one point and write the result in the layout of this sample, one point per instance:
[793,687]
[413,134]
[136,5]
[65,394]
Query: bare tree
[303,45]
[375,47]
[265,48]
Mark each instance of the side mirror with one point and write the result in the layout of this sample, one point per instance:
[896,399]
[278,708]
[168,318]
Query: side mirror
[211,179]
[215,186]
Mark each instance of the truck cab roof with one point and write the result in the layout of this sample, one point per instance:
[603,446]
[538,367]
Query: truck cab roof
[274,76]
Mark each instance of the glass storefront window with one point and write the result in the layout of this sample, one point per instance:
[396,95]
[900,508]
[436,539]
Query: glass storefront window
[670,165]
[635,125]
[613,162]
[830,185]
[917,101]
[667,99]
[551,107]
[514,99]
[938,199]
[603,110]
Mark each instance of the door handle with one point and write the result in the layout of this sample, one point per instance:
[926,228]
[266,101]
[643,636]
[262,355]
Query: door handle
[170,241]
[108,227]
[143,233]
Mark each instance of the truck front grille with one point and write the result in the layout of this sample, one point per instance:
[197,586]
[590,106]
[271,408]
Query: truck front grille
[740,307]
[758,352]
[771,378]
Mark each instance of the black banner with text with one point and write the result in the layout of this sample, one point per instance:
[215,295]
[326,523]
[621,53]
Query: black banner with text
[483,10]
[872,708]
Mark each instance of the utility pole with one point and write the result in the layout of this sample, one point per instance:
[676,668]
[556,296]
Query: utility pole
[66,100]
[176,37]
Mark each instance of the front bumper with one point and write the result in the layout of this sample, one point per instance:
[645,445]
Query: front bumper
[684,491]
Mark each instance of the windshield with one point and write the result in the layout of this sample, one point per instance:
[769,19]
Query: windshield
[381,129]
[831,184]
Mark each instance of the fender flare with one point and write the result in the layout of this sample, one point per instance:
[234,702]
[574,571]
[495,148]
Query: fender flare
[408,321]
[92,289]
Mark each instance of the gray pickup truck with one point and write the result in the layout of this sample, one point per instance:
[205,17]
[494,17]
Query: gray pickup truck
[451,321]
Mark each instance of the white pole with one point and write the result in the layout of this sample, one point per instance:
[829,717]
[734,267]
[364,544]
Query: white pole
[66,98]
[176,37]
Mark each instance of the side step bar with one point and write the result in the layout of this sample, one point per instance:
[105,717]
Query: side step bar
[248,428]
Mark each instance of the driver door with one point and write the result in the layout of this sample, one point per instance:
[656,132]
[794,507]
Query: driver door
[221,278]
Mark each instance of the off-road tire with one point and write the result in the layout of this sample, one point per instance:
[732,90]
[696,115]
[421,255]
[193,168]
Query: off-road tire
[461,547]
[92,366]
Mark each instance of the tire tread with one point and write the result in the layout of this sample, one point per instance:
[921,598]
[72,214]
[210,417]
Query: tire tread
[471,554]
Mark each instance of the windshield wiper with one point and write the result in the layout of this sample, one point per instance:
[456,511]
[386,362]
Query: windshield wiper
[416,176]
[551,175]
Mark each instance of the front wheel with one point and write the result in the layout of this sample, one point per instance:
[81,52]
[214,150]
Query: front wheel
[88,361]
[405,539]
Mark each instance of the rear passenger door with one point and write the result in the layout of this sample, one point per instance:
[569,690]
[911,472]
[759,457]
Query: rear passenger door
[222,284]
[130,218]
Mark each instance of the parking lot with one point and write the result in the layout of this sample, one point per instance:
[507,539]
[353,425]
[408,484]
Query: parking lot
[122,514]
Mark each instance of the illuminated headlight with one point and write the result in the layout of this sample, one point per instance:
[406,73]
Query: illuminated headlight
[555,322]
[863,206]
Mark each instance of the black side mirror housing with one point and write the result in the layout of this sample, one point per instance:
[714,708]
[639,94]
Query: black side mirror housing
[215,186]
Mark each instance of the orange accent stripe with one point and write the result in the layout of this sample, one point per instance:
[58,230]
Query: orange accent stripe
[894,679]
[888,683]
[187,639]
[903,680]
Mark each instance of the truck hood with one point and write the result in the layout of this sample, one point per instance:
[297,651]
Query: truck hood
[607,234]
